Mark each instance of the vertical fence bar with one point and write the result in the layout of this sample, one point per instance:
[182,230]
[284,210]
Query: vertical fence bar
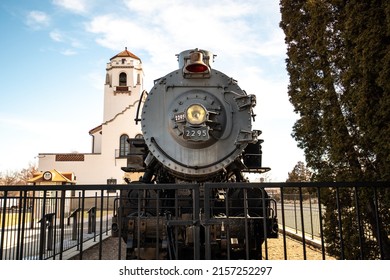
[340,222]
[33,206]
[283,223]
[265,216]
[207,221]
[79,220]
[94,219]
[101,224]
[27,250]
[295,214]
[228,245]
[378,224]
[120,222]
[9,231]
[139,225]
[360,230]
[311,217]
[82,224]
[4,204]
[302,223]
[42,227]
[35,228]
[246,223]
[62,225]
[24,207]
[176,229]
[107,207]
[54,241]
[196,225]
[320,220]
[158,224]
[19,233]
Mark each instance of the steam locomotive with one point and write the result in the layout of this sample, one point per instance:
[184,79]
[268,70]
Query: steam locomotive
[192,199]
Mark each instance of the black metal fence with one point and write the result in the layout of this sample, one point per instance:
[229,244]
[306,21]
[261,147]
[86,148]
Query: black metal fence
[337,220]
[47,222]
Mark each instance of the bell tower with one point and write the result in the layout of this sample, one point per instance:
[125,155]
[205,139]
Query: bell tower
[124,83]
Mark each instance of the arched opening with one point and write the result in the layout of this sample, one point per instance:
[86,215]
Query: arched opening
[122,79]
[124,146]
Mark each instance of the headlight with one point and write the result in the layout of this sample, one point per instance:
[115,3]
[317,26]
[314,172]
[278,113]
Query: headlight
[196,114]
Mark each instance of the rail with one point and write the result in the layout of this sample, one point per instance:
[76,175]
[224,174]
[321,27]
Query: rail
[46,222]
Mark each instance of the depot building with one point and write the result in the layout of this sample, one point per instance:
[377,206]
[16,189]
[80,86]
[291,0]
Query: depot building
[122,90]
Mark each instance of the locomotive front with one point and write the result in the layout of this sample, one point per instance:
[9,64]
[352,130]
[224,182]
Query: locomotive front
[197,123]
[197,129]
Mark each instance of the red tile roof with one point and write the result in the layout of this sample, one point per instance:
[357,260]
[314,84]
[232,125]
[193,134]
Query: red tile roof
[126,53]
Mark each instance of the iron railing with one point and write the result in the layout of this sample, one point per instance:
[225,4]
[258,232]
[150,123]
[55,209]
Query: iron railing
[46,222]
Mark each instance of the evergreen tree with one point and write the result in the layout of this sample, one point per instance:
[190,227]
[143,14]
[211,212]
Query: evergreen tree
[300,173]
[339,67]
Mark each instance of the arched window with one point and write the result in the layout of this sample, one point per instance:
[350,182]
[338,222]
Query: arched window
[122,79]
[124,146]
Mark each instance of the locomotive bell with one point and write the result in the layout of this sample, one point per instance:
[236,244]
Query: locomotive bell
[184,56]
[196,63]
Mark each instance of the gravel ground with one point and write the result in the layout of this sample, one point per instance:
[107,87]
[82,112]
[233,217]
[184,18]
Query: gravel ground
[294,250]
[110,250]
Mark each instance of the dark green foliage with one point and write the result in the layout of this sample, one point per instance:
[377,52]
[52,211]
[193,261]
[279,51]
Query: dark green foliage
[339,67]
[360,241]
[300,173]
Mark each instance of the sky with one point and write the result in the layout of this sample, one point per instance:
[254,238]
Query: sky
[54,54]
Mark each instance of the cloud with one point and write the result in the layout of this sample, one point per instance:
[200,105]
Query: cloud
[161,24]
[114,32]
[56,36]
[69,52]
[245,36]
[74,6]
[37,20]
[61,37]
[240,32]
[238,26]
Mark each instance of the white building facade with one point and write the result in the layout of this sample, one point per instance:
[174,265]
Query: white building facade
[122,90]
